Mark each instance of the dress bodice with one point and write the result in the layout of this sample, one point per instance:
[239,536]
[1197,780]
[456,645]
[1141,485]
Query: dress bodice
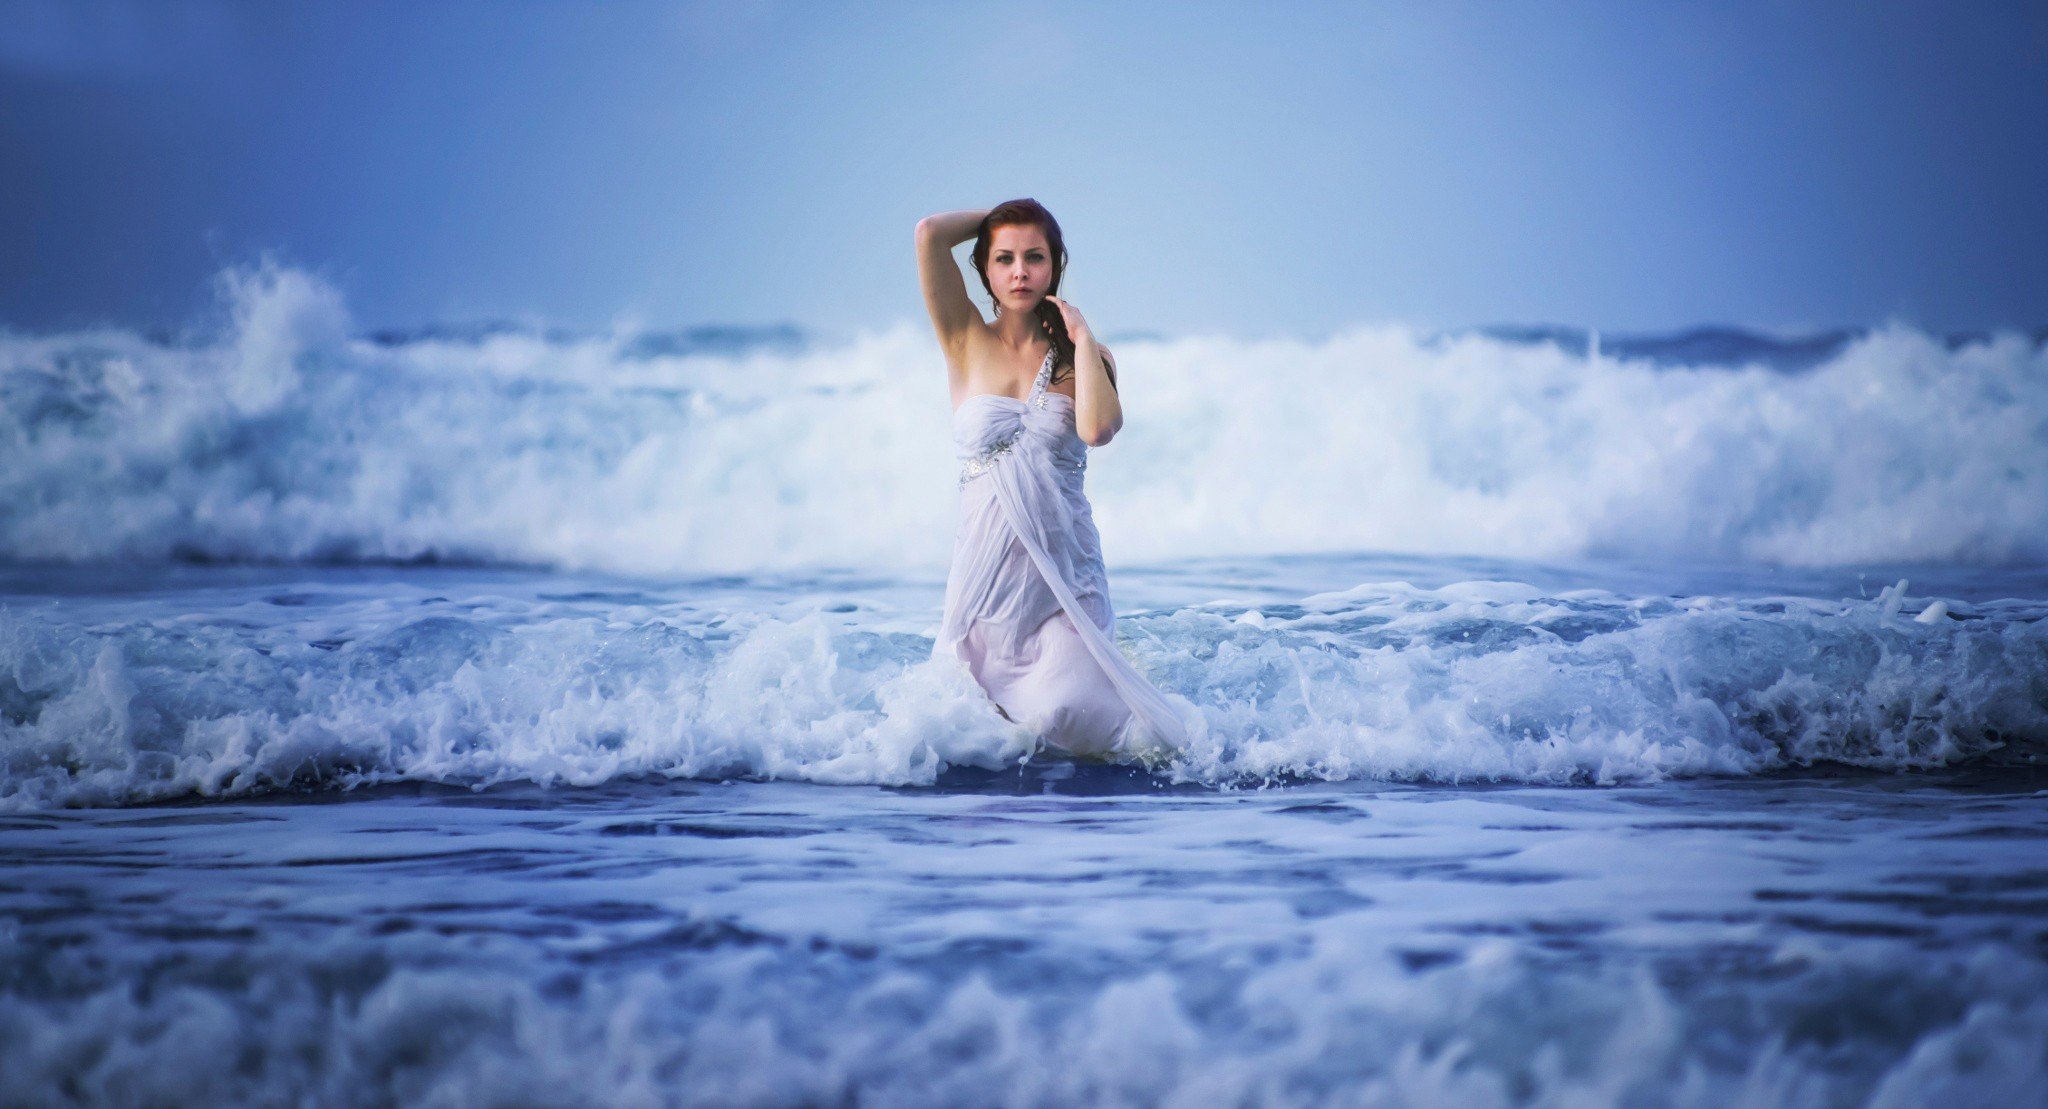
[988,427]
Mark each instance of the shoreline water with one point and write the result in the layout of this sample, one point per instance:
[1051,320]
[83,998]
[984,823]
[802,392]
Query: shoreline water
[1744,836]
[1064,933]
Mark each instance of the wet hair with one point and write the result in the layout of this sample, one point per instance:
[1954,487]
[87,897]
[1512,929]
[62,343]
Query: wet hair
[1026,212]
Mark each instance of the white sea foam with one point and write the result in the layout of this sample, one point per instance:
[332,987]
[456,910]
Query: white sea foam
[348,1023]
[243,691]
[285,438]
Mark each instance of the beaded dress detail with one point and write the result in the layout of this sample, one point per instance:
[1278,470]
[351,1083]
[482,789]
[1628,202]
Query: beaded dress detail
[1027,601]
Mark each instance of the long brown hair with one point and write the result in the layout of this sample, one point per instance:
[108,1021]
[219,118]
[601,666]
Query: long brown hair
[1027,212]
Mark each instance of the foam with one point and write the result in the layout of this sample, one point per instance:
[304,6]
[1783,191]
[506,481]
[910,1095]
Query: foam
[286,438]
[343,1022]
[1479,681]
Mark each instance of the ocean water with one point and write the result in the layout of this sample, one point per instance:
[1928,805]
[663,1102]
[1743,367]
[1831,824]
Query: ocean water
[489,715]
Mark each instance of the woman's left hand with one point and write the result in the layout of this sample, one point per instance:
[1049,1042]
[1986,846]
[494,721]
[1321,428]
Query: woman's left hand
[1076,326]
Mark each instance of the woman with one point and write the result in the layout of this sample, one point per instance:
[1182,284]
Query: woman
[1027,602]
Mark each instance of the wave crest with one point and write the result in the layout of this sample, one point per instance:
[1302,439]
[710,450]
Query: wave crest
[286,438]
[1485,681]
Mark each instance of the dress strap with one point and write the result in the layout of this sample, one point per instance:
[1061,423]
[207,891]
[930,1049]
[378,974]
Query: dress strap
[1036,396]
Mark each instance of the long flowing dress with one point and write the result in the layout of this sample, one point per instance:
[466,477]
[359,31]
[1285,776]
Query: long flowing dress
[1027,601]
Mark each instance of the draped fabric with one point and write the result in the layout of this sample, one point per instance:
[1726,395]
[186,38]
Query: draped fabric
[1027,601]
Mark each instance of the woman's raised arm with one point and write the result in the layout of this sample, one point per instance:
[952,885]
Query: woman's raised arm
[945,289]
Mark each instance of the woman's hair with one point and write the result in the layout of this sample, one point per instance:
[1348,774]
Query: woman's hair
[1030,213]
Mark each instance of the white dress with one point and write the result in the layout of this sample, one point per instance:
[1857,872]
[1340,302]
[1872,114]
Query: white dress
[1027,602]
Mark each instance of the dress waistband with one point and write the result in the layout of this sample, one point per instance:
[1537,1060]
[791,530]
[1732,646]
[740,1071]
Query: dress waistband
[981,462]
[975,465]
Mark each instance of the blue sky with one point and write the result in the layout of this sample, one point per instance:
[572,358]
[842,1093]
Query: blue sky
[1247,169]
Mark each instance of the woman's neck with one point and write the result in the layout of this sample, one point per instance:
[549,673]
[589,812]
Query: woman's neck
[1019,330]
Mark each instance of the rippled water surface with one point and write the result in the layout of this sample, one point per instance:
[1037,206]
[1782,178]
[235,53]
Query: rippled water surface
[1458,832]
[1052,933]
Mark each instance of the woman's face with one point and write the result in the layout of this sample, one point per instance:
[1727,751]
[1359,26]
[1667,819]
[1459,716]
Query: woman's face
[1019,266]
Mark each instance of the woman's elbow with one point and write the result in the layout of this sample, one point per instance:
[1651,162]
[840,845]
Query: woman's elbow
[1099,437]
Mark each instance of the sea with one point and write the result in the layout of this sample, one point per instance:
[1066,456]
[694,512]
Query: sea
[497,714]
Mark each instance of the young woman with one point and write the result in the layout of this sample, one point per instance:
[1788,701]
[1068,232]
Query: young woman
[1027,602]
